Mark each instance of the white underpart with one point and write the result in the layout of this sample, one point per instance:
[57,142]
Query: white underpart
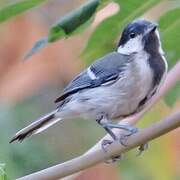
[161,51]
[164,59]
[132,46]
[145,71]
[160,47]
[91,74]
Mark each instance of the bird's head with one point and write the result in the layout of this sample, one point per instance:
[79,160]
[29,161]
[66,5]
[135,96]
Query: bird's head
[138,36]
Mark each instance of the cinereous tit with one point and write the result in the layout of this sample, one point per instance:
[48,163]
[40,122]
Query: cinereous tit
[115,86]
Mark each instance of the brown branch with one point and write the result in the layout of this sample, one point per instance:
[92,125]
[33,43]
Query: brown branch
[94,157]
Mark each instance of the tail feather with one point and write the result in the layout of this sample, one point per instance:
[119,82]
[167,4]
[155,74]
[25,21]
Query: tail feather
[36,127]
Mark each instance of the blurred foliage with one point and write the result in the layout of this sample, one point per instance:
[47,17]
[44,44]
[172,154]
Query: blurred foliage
[68,139]
[46,149]
[170,25]
[173,95]
[114,25]
[17,8]
[73,21]
[157,162]
[19,158]
[3,175]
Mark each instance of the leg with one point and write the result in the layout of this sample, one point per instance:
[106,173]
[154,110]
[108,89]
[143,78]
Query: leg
[104,122]
[128,128]
[110,132]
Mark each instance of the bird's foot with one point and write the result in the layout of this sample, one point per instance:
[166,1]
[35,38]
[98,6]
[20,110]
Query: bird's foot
[131,131]
[113,159]
[108,126]
[105,143]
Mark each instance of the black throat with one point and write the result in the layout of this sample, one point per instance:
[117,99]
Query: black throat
[158,66]
[156,61]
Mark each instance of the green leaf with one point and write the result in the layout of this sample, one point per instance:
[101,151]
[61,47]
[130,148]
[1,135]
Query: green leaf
[17,8]
[75,21]
[170,26]
[173,95]
[105,36]
[3,175]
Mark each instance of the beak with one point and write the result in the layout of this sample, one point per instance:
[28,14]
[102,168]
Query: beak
[151,28]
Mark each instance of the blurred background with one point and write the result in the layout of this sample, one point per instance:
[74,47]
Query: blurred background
[28,89]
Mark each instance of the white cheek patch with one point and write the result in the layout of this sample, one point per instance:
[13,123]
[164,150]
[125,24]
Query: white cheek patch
[132,46]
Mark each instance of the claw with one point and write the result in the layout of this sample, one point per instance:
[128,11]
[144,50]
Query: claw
[142,148]
[124,136]
[123,139]
[105,143]
[115,159]
[108,126]
[132,131]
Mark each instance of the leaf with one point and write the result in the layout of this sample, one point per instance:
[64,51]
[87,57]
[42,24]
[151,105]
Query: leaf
[3,175]
[169,26]
[17,8]
[105,36]
[75,21]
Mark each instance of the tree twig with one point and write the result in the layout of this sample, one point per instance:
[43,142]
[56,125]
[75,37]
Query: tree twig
[94,157]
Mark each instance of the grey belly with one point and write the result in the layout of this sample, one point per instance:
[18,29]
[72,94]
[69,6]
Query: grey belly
[115,100]
[119,99]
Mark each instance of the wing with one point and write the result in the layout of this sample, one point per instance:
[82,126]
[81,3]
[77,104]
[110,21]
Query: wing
[103,71]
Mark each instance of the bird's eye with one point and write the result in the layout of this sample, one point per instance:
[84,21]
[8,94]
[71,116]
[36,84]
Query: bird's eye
[132,35]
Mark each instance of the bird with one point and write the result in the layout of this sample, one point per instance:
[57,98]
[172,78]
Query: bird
[113,87]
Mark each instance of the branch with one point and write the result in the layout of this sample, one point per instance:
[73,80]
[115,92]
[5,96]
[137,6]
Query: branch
[95,157]
[96,154]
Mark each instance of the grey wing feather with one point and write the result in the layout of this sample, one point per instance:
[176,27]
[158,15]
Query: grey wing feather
[105,69]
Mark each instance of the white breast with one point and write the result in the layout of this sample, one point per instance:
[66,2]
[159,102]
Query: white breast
[144,72]
[135,86]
